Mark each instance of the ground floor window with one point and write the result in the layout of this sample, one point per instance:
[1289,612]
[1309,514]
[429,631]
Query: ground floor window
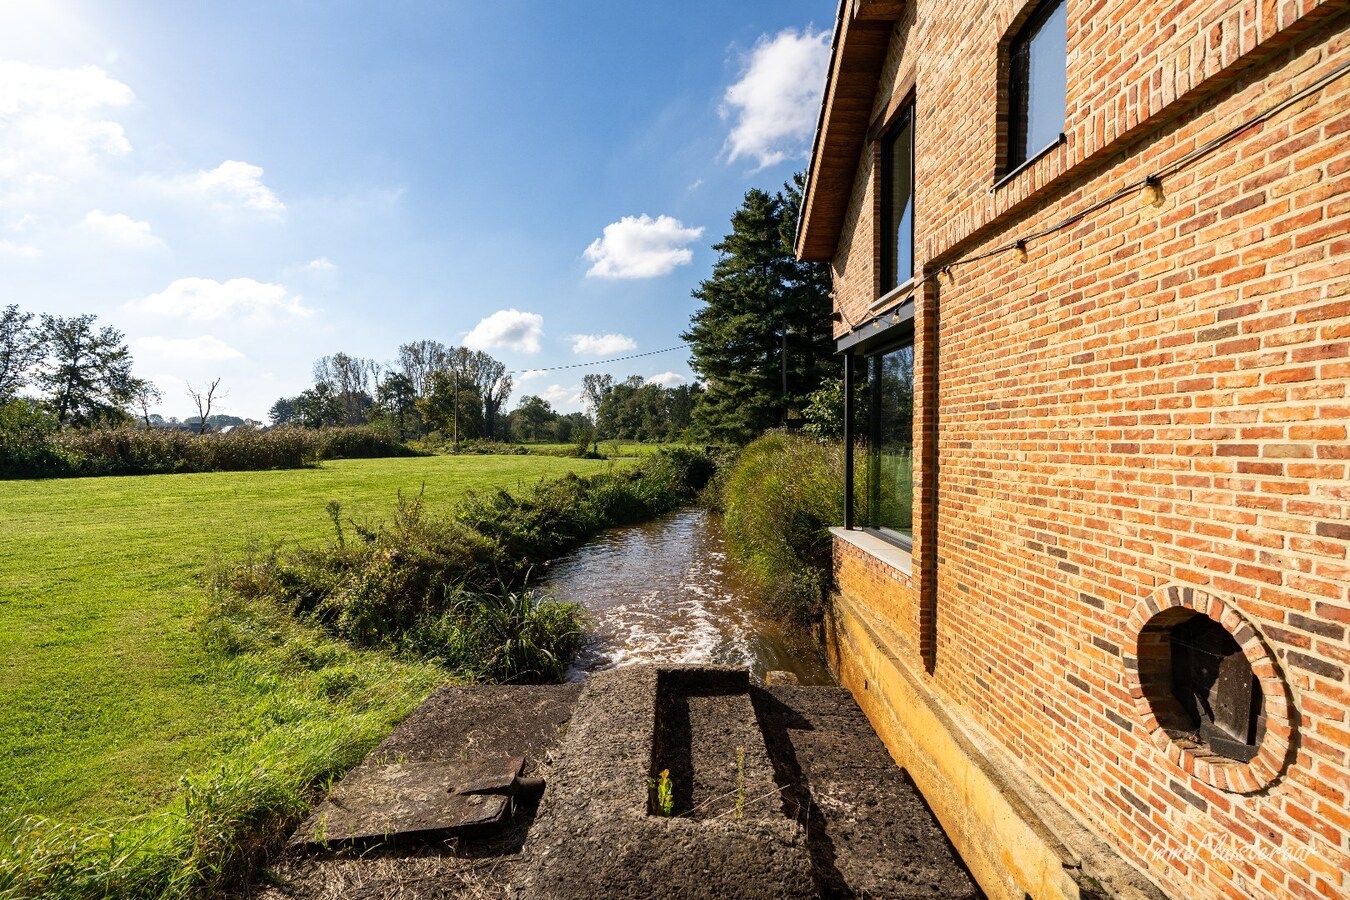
[890,443]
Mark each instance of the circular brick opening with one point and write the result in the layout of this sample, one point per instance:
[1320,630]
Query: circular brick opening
[1207,690]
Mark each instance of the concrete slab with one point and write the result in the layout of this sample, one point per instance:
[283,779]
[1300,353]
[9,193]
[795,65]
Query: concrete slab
[405,801]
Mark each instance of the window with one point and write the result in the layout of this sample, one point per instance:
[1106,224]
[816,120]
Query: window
[897,202]
[1037,81]
[890,443]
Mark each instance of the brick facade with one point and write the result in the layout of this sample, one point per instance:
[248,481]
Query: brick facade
[1152,397]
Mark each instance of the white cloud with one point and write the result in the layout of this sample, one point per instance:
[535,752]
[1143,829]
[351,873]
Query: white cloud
[641,247]
[120,229]
[601,344]
[667,379]
[229,186]
[563,399]
[204,347]
[55,125]
[321,266]
[203,299]
[530,374]
[775,103]
[22,251]
[508,328]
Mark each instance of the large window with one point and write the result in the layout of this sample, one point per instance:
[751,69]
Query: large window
[890,443]
[897,202]
[1036,90]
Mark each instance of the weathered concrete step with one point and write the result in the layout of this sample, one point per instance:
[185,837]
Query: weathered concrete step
[844,821]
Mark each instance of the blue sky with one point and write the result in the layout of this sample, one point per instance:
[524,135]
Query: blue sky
[244,187]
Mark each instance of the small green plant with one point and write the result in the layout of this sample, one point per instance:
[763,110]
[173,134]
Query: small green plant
[662,794]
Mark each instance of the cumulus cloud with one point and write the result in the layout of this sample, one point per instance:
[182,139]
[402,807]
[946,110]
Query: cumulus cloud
[563,399]
[601,344]
[667,379]
[773,107]
[56,124]
[232,185]
[641,247]
[530,374]
[121,229]
[203,299]
[205,348]
[320,266]
[507,328]
[22,251]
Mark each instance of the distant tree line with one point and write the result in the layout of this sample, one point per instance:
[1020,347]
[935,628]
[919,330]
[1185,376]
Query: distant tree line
[431,388]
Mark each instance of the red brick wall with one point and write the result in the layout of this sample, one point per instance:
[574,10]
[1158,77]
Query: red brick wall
[1154,396]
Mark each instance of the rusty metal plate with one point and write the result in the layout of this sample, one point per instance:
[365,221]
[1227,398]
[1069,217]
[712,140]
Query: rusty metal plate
[402,800]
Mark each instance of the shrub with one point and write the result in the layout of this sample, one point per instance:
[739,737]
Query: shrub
[780,498]
[29,450]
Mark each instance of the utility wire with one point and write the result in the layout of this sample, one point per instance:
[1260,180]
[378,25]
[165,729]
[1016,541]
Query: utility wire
[1156,178]
[599,362]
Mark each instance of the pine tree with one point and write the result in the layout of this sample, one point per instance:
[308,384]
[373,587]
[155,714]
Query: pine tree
[762,340]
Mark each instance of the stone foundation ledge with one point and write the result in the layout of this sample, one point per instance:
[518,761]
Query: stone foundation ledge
[1016,839]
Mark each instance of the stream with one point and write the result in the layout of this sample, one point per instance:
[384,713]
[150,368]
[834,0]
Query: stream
[665,592]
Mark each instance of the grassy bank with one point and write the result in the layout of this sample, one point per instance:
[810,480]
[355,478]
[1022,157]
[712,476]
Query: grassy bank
[108,691]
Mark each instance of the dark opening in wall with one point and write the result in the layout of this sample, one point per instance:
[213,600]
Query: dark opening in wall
[1200,684]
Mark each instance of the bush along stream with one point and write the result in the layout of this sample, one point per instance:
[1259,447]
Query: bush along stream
[339,643]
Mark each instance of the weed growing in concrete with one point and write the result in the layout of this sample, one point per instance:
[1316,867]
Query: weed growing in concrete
[662,794]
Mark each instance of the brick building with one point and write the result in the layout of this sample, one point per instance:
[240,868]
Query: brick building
[1091,263]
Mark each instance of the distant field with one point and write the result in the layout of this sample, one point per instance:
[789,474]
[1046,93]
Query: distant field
[106,692]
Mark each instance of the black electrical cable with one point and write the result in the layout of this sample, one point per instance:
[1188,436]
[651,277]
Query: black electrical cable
[599,362]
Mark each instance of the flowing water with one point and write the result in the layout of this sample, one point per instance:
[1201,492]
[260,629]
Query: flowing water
[664,591]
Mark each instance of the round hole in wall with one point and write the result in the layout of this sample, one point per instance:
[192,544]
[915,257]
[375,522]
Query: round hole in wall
[1208,691]
[1200,686]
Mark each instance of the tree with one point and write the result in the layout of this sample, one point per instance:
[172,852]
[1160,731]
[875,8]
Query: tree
[489,378]
[147,395]
[351,380]
[203,400]
[532,419]
[594,387]
[283,412]
[21,348]
[396,402]
[319,407]
[418,360]
[762,340]
[452,405]
[87,373]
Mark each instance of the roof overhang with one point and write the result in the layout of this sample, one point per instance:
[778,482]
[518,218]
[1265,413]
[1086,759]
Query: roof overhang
[862,35]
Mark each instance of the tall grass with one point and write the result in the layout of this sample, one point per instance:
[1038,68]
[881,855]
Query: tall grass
[780,498]
[452,588]
[325,706]
[154,451]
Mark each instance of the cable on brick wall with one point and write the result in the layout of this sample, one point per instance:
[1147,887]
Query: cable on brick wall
[1154,181]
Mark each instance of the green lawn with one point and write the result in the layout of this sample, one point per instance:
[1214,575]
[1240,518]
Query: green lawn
[106,692]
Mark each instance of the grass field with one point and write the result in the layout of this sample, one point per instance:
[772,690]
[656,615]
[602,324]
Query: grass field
[107,692]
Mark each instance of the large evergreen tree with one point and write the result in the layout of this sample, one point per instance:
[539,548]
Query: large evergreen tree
[762,340]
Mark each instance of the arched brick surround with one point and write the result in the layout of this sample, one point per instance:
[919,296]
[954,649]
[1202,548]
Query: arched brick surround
[1145,656]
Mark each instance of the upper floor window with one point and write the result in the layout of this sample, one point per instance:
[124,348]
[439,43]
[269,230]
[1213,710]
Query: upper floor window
[1036,89]
[897,202]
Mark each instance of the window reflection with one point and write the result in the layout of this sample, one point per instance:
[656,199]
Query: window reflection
[891,442]
[1037,91]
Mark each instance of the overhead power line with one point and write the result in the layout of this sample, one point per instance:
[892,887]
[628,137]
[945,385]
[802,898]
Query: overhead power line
[599,362]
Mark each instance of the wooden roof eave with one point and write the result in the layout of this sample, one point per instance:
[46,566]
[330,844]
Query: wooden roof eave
[862,36]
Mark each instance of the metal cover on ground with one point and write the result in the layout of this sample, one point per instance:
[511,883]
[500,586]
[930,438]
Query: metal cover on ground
[378,802]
